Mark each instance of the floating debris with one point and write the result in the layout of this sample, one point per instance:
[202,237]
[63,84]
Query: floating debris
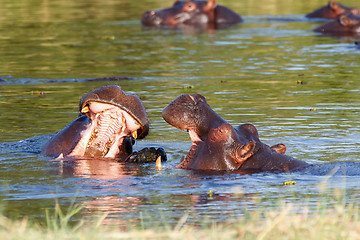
[286,183]
[109,37]
[188,87]
[38,93]
[210,194]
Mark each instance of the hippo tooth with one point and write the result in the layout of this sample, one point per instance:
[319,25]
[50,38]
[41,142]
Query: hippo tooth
[92,138]
[134,134]
[85,109]
[123,128]
[108,145]
[105,151]
[123,119]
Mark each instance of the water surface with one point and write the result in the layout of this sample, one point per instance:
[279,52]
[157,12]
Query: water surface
[295,86]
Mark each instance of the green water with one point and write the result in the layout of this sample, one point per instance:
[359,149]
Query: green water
[297,87]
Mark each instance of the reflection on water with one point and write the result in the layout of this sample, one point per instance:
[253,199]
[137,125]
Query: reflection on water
[296,87]
[106,174]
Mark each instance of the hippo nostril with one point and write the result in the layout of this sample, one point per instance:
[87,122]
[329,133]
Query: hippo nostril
[193,98]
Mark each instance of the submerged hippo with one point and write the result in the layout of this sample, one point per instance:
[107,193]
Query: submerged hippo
[194,13]
[217,145]
[343,26]
[108,124]
[333,10]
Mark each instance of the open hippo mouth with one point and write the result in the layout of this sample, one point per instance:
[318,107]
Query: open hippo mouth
[108,124]
[107,130]
[114,115]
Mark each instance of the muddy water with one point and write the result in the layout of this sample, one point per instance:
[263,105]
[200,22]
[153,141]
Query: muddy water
[295,86]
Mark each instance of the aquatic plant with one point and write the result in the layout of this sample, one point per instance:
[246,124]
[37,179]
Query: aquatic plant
[341,221]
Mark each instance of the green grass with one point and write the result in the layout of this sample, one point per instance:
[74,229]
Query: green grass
[287,222]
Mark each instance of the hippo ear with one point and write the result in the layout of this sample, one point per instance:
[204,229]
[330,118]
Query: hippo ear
[245,152]
[333,5]
[345,21]
[279,148]
[355,11]
[210,5]
[193,98]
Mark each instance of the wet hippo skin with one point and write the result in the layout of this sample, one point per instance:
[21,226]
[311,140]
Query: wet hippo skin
[108,124]
[217,145]
[343,26]
[333,10]
[207,14]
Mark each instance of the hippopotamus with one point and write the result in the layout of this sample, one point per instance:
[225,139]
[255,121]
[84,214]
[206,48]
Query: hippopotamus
[343,26]
[333,10]
[108,124]
[217,145]
[207,14]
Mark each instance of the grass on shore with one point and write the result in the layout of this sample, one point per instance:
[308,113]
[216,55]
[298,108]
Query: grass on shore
[338,222]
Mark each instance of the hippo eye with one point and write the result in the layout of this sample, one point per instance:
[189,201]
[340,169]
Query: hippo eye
[189,7]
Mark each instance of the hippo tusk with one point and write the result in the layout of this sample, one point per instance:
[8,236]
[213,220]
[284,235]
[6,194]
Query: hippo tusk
[85,109]
[158,163]
[134,134]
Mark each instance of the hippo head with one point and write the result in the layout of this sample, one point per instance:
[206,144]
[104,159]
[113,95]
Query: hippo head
[216,145]
[192,14]
[182,12]
[108,120]
[344,26]
[191,112]
[332,11]
[114,115]
[132,107]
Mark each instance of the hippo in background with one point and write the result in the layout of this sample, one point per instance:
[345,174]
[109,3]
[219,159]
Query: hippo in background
[218,146]
[333,10]
[198,14]
[344,26]
[108,124]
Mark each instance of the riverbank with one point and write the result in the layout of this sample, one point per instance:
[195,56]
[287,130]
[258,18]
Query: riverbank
[341,221]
